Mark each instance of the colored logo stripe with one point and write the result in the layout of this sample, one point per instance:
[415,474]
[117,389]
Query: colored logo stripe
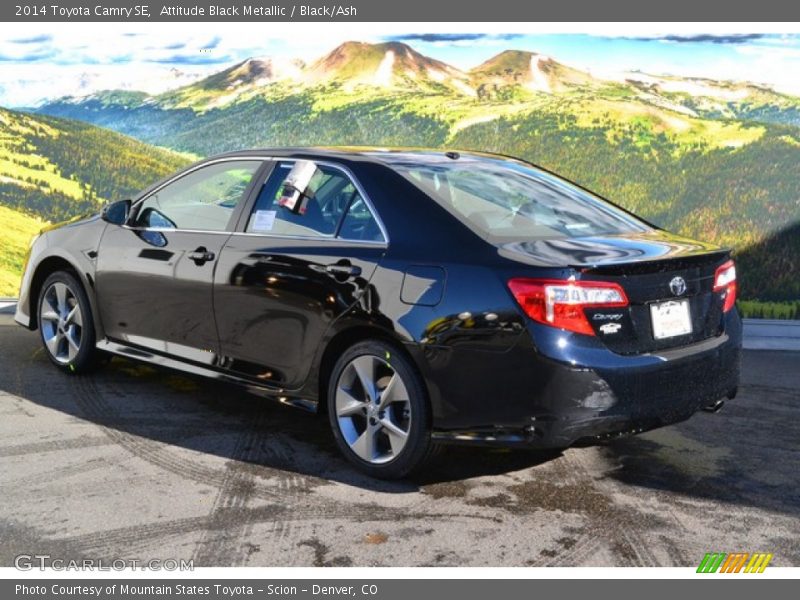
[711,562]
[758,563]
[733,563]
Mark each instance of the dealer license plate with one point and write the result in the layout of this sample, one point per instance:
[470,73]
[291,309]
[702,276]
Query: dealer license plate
[670,319]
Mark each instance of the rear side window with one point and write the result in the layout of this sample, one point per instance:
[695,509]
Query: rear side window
[509,200]
[359,223]
[335,207]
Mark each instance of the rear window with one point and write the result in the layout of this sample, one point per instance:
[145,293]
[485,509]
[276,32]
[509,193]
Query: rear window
[510,200]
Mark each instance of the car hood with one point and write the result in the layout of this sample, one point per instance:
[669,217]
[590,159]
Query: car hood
[598,251]
[80,219]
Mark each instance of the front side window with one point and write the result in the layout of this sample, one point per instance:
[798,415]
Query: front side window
[204,199]
[505,199]
[334,205]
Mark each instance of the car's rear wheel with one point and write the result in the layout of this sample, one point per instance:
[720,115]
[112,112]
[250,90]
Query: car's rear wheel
[378,410]
[65,324]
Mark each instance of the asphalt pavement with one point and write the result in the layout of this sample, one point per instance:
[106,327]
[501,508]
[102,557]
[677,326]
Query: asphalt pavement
[137,463]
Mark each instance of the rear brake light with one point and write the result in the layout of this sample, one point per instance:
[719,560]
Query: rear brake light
[561,303]
[725,282]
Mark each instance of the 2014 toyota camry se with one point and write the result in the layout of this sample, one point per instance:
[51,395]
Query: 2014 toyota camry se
[417,297]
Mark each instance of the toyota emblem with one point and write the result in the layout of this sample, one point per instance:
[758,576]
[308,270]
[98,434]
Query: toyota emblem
[677,285]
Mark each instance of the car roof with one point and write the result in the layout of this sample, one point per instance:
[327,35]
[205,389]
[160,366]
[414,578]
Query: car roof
[377,154]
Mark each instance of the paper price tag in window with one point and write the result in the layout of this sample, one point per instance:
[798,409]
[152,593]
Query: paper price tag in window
[264,220]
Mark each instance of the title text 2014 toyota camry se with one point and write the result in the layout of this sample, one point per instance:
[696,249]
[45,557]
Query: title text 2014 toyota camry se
[417,297]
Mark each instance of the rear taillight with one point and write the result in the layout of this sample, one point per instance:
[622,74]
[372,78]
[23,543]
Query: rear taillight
[725,283]
[561,303]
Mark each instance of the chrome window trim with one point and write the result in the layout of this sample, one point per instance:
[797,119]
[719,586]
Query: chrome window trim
[174,230]
[308,238]
[264,159]
[181,175]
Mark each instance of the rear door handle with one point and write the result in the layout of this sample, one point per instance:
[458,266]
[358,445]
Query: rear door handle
[343,270]
[201,256]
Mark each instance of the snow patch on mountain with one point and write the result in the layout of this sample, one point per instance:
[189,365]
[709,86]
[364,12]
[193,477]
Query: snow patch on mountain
[383,76]
[539,80]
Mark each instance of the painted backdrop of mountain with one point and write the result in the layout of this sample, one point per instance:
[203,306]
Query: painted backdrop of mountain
[711,159]
[52,169]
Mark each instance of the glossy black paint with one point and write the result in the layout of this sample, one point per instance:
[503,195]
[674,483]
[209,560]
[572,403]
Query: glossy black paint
[608,251]
[153,294]
[272,312]
[275,299]
[117,212]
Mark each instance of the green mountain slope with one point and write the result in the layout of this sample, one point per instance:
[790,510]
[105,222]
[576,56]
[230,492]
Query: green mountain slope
[18,230]
[714,160]
[718,99]
[738,197]
[53,169]
[56,168]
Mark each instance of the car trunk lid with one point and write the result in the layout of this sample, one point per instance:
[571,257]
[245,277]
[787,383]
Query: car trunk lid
[664,277]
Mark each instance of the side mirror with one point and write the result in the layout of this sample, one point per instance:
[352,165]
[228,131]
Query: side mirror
[296,192]
[117,212]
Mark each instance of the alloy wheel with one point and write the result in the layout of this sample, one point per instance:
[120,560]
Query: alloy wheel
[62,322]
[373,409]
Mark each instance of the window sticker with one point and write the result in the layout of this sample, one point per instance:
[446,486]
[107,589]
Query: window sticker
[264,220]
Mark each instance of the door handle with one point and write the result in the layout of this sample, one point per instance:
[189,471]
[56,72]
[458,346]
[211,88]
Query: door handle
[201,256]
[343,270]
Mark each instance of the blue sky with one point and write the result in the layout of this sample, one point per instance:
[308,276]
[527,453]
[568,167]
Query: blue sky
[78,59]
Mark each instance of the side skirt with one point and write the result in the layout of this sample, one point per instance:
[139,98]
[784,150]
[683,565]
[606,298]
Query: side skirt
[159,360]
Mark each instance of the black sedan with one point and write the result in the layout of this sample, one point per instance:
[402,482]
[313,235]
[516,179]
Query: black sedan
[416,297]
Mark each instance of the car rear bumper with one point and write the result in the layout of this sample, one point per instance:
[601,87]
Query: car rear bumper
[574,391]
[608,402]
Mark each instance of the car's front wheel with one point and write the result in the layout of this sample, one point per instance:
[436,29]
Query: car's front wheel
[378,410]
[65,324]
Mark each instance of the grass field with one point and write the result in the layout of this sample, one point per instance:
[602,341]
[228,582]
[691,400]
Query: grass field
[18,230]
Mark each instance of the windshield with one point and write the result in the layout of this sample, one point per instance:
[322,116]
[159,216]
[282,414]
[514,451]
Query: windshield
[511,200]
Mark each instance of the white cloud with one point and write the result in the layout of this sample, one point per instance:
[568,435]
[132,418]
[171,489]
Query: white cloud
[22,85]
[79,58]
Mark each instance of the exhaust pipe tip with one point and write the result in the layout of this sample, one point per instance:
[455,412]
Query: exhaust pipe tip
[715,406]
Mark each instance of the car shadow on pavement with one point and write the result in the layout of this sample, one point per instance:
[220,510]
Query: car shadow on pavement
[139,406]
[745,455]
[728,474]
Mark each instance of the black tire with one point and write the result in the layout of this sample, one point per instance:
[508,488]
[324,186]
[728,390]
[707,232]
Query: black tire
[87,357]
[418,445]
